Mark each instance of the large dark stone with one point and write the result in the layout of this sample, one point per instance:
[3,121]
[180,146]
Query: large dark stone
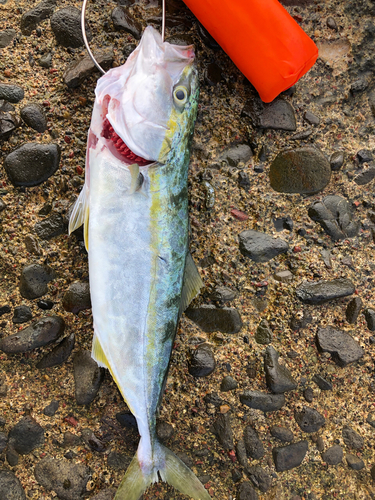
[33,115]
[59,354]
[202,361]
[278,377]
[261,247]
[88,377]
[309,419]
[278,114]
[77,297]
[34,280]
[290,456]
[34,16]
[123,20]
[66,26]
[10,486]
[262,400]
[223,431]
[323,291]
[212,319]
[79,70]
[342,347]
[26,435]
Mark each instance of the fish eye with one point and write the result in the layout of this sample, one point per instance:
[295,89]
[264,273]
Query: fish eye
[180,95]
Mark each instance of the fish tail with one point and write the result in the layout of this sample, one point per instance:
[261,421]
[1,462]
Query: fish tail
[171,470]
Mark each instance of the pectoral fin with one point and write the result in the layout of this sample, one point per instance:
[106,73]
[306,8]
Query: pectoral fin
[192,283]
[137,178]
[80,214]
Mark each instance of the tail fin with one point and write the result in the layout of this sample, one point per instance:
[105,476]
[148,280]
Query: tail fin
[173,471]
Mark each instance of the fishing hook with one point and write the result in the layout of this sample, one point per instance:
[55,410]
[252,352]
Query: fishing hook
[83,27]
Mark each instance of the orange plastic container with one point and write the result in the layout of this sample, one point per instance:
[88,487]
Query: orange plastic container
[261,38]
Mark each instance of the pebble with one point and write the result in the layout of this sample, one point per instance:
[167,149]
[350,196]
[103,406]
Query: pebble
[244,180]
[246,492]
[370,318]
[10,486]
[278,377]
[263,334]
[353,309]
[365,176]
[236,155]
[6,37]
[66,479]
[34,16]
[342,347]
[319,292]
[70,440]
[88,377]
[364,156]
[336,160]
[351,438]
[11,93]
[66,26]
[261,247]
[41,333]
[77,297]
[223,430]
[127,419]
[259,477]
[262,400]
[283,276]
[5,310]
[51,227]
[309,419]
[123,20]
[254,446]
[45,304]
[32,163]
[354,462]
[51,409]
[222,294]
[34,280]
[228,384]
[311,118]
[202,362]
[281,433]
[92,441]
[334,214]
[358,85]
[241,453]
[334,455]
[59,354]
[289,456]
[164,431]
[32,245]
[277,115]
[12,456]
[8,124]
[45,61]
[118,461]
[322,383]
[79,70]
[26,435]
[331,23]
[22,314]
[212,319]
[303,170]
[33,115]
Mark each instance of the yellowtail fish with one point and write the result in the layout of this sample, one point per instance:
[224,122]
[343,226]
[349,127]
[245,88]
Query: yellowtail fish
[134,205]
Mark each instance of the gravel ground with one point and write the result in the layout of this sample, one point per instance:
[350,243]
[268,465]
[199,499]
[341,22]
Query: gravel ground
[326,123]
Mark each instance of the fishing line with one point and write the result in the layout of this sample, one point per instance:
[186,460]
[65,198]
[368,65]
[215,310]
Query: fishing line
[83,27]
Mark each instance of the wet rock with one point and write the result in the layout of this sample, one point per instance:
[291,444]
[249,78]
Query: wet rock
[320,292]
[123,20]
[10,486]
[236,155]
[311,118]
[302,170]
[212,319]
[59,354]
[353,309]
[333,455]
[79,70]
[67,480]
[254,446]
[202,362]
[51,227]
[6,37]
[334,214]
[283,434]
[33,115]
[164,431]
[342,347]
[45,304]
[51,409]
[32,245]
[87,377]
[222,294]
[246,492]
[228,384]
[278,377]
[309,419]
[336,160]
[41,333]
[34,16]
[352,439]
[259,477]
[263,334]
[92,441]
[118,461]
[261,247]
[11,93]
[66,26]
[32,163]
[45,61]
[77,297]
[34,280]
[277,115]
[22,314]
[223,431]
[290,456]
[26,435]
[262,401]
[322,383]
[354,462]
[127,419]
[370,319]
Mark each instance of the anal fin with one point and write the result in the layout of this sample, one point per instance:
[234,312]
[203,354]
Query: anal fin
[98,354]
[192,283]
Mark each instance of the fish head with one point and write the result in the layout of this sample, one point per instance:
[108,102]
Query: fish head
[148,105]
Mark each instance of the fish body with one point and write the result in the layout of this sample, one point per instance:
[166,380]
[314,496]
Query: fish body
[135,208]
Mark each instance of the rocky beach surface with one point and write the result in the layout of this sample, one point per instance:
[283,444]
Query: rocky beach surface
[271,389]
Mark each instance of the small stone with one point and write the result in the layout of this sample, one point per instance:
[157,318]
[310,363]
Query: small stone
[26,435]
[263,334]
[236,475]
[32,245]
[70,440]
[10,486]
[283,276]
[278,377]
[331,23]
[277,115]
[370,420]
[354,462]
[127,419]
[31,18]
[359,85]
[5,310]
[77,297]
[228,384]
[333,455]
[212,319]
[202,362]
[246,492]
[33,115]
[364,156]
[92,441]
[259,477]
[241,453]
[59,354]
[22,314]
[123,20]
[311,118]
[262,401]
[12,457]
[283,434]
[322,383]
[6,37]
[261,247]
[223,431]
[244,180]
[254,446]
[222,294]
[164,431]
[290,456]
[352,439]
[365,176]
[51,409]
[370,319]
[342,347]
[79,70]
[118,461]
[336,160]
[45,61]
[11,93]
[309,419]
[88,377]
[353,309]
[34,280]
[66,26]
[45,304]
[236,155]
[319,292]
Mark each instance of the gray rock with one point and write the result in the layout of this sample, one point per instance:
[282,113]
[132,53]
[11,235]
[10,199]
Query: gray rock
[254,446]
[352,439]
[222,294]
[10,486]
[277,115]
[263,334]
[311,118]
[342,347]
[59,354]
[70,440]
[34,280]
[164,431]
[259,477]
[22,314]
[67,480]
[51,409]
[11,93]
[319,292]
[241,453]
[223,431]
[87,377]
[50,227]
[118,461]
[45,61]
[66,26]
[26,435]
[6,37]
[34,16]
[236,155]
[336,160]
[123,20]
[12,456]
[281,433]
[228,384]
[283,276]
[290,456]
[261,247]
[365,176]
[41,333]
[32,245]
[364,156]
[212,319]
[370,318]
[353,309]
[33,115]
[31,164]
[262,400]
[354,462]
[322,383]
[309,419]
[77,297]
[82,68]
[246,492]
[8,123]
[333,455]
[302,170]
[202,361]
[278,377]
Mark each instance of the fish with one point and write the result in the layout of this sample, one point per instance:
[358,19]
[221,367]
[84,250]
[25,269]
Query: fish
[134,207]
